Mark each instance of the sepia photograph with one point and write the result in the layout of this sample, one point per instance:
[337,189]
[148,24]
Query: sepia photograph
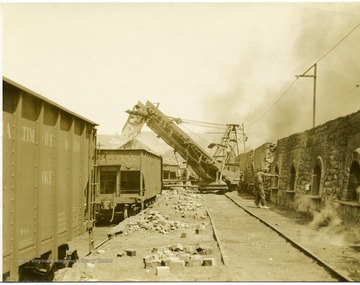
[180,141]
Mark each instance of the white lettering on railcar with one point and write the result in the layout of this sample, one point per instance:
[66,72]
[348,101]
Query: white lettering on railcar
[27,134]
[46,177]
[49,139]
[25,242]
[24,231]
[24,239]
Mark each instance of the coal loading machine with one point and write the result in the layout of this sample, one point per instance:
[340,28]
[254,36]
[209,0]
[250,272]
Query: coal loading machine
[218,172]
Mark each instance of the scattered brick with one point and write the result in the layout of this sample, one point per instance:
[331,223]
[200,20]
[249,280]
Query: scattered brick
[193,263]
[184,256]
[167,260]
[209,261]
[204,250]
[177,247]
[195,257]
[162,271]
[131,252]
[155,263]
[176,265]
[190,249]
[195,260]
[148,258]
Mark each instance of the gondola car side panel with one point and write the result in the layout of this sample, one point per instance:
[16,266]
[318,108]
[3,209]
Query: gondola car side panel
[10,117]
[46,172]
[46,201]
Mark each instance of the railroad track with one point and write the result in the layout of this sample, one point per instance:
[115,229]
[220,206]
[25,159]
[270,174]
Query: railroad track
[255,250]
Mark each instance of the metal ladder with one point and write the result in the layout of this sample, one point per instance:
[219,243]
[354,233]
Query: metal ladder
[92,193]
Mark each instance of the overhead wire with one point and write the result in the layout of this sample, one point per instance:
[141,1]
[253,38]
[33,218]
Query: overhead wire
[321,58]
[268,110]
[221,126]
[348,34]
[346,93]
[325,104]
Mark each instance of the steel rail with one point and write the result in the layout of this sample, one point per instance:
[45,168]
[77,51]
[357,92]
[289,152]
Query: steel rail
[306,251]
[96,247]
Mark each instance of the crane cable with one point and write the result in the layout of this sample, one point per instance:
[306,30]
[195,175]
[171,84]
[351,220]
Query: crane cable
[196,134]
[203,123]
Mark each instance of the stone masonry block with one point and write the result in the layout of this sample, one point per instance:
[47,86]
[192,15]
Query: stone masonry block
[162,271]
[195,260]
[209,261]
[194,263]
[177,247]
[148,264]
[168,260]
[148,258]
[155,263]
[196,257]
[176,265]
[131,252]
[184,256]
[205,251]
[190,249]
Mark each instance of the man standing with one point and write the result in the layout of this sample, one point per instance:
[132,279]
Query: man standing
[260,201]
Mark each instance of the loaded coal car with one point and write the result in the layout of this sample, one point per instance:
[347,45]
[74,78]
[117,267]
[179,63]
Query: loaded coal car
[47,165]
[129,180]
[259,159]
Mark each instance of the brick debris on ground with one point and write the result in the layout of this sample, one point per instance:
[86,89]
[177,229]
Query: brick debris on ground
[172,240]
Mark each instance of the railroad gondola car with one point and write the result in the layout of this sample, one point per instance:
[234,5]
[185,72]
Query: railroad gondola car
[256,159]
[129,181]
[171,175]
[47,173]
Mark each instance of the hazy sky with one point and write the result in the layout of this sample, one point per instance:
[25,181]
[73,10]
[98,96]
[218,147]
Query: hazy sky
[212,62]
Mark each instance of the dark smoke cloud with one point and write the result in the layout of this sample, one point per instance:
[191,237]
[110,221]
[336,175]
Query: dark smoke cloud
[338,69]
[320,29]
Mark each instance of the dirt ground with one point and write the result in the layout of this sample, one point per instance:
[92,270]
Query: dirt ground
[175,226]
[322,233]
[175,231]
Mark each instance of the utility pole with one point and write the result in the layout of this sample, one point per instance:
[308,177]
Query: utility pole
[314,92]
[242,128]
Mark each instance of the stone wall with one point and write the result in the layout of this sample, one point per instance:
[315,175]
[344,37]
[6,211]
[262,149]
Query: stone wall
[331,148]
[314,168]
